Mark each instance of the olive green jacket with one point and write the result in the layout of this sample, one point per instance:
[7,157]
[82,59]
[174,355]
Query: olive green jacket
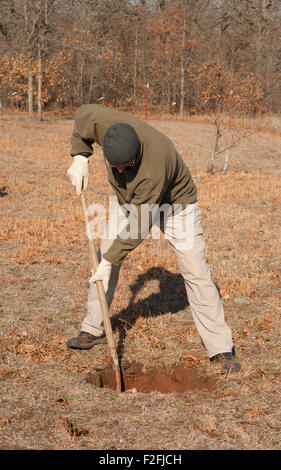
[159,176]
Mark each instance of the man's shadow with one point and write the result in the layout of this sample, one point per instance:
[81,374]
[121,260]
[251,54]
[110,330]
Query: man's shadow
[171,298]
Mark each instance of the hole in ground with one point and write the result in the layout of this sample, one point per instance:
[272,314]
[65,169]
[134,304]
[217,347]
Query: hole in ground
[164,379]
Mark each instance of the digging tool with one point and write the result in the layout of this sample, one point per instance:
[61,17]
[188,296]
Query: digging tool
[103,302]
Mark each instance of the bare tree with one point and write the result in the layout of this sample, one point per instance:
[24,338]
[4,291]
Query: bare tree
[182,59]
[227,137]
[43,29]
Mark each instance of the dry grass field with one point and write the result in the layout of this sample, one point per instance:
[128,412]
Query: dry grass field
[46,398]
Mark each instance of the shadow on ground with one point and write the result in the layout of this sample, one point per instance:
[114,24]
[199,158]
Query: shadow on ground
[171,298]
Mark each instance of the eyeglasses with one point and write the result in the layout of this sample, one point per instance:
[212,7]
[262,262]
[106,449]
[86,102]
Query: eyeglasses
[130,165]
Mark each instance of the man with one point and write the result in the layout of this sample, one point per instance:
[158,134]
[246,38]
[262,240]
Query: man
[146,172]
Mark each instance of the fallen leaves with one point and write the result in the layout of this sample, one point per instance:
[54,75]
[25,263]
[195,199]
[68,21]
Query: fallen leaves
[24,376]
[5,420]
[41,351]
[191,361]
[209,427]
[72,430]
[245,333]
[184,333]
[275,276]
[255,412]
[265,328]
[6,371]
[156,342]
[62,402]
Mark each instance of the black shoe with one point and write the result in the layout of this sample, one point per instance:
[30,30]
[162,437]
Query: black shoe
[85,341]
[227,360]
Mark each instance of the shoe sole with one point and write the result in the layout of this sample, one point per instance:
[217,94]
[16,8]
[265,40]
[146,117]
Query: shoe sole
[234,369]
[90,346]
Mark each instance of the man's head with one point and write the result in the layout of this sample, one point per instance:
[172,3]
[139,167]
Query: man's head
[121,146]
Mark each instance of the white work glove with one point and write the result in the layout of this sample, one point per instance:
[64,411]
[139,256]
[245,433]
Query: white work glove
[102,273]
[78,173]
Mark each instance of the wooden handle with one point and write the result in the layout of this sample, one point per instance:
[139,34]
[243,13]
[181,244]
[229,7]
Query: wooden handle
[103,302]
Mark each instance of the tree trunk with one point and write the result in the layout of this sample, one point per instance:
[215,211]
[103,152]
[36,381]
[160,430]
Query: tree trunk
[135,68]
[169,96]
[40,85]
[30,87]
[182,62]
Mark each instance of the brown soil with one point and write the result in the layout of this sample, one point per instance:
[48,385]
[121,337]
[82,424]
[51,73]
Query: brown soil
[140,378]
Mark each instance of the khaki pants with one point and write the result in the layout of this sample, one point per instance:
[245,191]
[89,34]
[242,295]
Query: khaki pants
[203,297]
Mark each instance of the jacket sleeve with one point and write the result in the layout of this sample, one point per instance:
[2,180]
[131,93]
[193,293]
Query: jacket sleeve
[143,212]
[80,145]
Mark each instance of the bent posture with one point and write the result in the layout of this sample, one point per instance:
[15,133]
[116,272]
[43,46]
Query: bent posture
[147,174]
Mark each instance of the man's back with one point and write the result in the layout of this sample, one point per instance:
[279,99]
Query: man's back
[161,175]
